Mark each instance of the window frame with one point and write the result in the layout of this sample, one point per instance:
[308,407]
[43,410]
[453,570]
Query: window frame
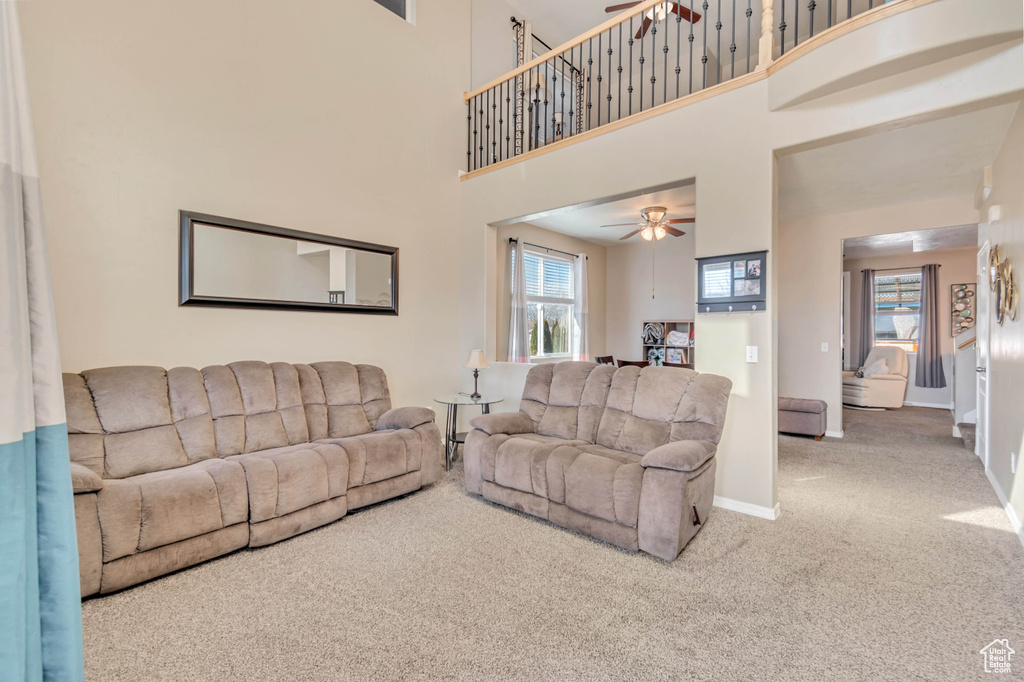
[909,345]
[570,302]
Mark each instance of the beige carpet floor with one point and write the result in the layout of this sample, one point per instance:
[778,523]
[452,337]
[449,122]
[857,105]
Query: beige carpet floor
[892,561]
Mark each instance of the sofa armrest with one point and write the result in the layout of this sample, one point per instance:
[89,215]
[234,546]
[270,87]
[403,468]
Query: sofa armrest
[888,377]
[848,373]
[681,455]
[509,423]
[84,479]
[404,418]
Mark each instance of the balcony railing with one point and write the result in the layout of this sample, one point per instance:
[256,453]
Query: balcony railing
[649,55]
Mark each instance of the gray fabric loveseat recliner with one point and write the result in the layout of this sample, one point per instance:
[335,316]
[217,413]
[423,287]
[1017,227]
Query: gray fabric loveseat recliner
[174,467]
[624,455]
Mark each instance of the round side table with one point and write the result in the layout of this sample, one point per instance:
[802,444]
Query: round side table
[451,438]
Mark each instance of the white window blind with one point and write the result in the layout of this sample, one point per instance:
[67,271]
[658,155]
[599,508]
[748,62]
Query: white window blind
[550,300]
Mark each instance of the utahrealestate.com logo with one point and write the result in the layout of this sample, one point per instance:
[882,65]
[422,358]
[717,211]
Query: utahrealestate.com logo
[997,656]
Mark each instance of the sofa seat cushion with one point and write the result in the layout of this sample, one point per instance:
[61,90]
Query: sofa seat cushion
[286,479]
[151,510]
[380,455]
[597,481]
[520,462]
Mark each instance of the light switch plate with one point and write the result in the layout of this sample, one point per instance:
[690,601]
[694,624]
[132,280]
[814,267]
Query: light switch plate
[824,346]
[751,353]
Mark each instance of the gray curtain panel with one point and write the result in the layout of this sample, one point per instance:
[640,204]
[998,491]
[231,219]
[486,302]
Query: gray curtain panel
[866,338]
[929,355]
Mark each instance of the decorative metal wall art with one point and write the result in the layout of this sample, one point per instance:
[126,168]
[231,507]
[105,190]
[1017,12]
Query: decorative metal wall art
[962,302]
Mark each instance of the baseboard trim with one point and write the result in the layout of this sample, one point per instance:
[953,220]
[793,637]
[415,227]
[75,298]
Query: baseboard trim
[834,434]
[1018,527]
[770,513]
[936,406]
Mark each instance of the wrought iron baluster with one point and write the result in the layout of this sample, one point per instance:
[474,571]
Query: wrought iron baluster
[547,70]
[509,113]
[810,9]
[537,116]
[494,116]
[849,9]
[618,92]
[679,19]
[641,60]
[590,66]
[704,59]
[782,29]
[609,97]
[690,38]
[483,120]
[630,41]
[750,13]
[732,47]
[654,57]
[561,104]
[572,83]
[718,45]
[829,14]
[599,79]
[664,50]
[469,136]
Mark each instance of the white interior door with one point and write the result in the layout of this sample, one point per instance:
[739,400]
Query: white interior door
[983,320]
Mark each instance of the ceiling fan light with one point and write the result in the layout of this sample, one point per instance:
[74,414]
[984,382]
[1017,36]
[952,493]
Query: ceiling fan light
[647,233]
[659,232]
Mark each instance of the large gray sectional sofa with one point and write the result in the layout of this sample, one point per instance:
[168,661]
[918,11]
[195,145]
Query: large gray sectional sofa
[624,455]
[174,467]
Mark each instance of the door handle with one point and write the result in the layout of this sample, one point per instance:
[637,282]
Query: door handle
[981,370]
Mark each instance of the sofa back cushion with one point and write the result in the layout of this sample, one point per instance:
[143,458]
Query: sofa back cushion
[342,399]
[567,399]
[146,419]
[651,406]
[632,409]
[255,406]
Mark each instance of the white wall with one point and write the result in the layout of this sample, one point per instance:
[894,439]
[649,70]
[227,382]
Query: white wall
[254,110]
[632,269]
[1006,356]
[810,254]
[596,291]
[957,267]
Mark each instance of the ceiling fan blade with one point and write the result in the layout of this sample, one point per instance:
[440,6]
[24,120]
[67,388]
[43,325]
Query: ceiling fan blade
[629,235]
[617,8]
[676,221]
[643,29]
[625,225]
[684,13]
[673,231]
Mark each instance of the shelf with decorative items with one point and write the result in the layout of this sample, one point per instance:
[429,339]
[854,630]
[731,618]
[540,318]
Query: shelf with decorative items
[668,342]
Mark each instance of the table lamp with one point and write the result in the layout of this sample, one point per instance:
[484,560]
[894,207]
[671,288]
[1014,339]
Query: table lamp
[476,362]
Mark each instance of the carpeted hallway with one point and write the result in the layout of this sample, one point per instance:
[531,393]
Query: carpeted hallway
[892,561]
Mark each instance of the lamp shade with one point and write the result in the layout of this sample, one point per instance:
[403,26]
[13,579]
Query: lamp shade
[476,360]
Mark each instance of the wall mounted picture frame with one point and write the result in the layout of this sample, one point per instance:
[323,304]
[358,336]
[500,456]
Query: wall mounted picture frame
[732,283]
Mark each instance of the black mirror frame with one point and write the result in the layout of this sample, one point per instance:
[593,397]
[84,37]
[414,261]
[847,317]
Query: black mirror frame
[186,261]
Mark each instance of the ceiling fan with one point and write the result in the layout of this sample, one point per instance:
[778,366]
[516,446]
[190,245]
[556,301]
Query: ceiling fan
[657,14]
[654,227]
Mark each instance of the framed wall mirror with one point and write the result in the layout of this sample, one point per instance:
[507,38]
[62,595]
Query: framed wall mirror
[232,263]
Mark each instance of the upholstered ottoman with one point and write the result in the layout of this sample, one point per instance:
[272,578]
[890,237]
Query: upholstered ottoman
[803,417]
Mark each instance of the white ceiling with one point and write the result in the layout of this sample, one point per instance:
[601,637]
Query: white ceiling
[585,222]
[939,239]
[940,158]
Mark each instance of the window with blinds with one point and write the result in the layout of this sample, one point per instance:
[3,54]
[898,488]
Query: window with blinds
[550,302]
[898,310]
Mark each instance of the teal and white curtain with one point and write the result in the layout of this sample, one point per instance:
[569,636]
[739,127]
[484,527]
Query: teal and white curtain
[40,609]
